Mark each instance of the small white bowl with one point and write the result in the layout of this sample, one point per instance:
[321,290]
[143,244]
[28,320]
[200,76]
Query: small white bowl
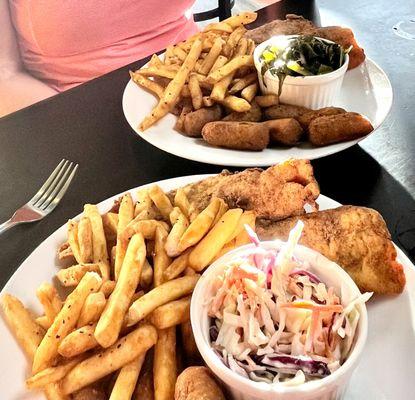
[313,92]
[331,387]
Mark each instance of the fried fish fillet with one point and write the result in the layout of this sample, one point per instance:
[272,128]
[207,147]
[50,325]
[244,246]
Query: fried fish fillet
[356,238]
[278,192]
[297,25]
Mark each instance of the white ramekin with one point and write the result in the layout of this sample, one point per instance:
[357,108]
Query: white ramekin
[314,92]
[331,387]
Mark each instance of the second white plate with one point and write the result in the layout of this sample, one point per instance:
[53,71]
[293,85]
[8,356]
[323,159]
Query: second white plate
[366,90]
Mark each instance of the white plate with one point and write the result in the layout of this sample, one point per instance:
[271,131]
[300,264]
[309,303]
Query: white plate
[366,90]
[386,368]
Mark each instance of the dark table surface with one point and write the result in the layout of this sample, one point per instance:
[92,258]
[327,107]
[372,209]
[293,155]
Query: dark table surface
[86,125]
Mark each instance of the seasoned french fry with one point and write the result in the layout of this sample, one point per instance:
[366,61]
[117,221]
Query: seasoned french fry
[125,216]
[165,367]
[162,71]
[73,239]
[171,314]
[85,240]
[227,247]
[243,82]
[181,201]
[99,243]
[146,227]
[54,392]
[195,92]
[155,61]
[146,83]
[127,349]
[251,47]
[168,291]
[127,379]
[26,331]
[146,275]
[160,259]
[241,19]
[236,103]
[174,88]
[78,341]
[161,201]
[220,62]
[107,288]
[249,92]
[189,343]
[220,88]
[247,218]
[111,320]
[218,26]
[233,40]
[179,226]
[223,207]
[92,309]
[231,66]
[208,101]
[177,266]
[110,223]
[242,47]
[51,374]
[65,321]
[65,252]
[49,298]
[212,56]
[267,100]
[168,55]
[43,321]
[143,202]
[71,276]
[211,244]
[199,226]
[179,53]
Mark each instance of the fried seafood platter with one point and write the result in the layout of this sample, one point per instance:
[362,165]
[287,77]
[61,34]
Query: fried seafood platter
[115,317]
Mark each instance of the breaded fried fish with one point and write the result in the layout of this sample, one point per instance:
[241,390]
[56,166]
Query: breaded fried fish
[276,193]
[356,238]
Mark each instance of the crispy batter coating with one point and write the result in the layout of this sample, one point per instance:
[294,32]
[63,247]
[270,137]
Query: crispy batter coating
[285,111]
[356,238]
[285,131]
[297,25]
[196,120]
[276,193]
[197,383]
[338,128]
[236,135]
[305,119]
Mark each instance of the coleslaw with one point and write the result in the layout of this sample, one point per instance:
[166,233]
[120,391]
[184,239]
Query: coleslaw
[274,321]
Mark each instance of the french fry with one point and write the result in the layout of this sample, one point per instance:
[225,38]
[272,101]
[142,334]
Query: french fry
[73,239]
[26,331]
[71,276]
[125,216]
[231,66]
[125,350]
[210,245]
[267,100]
[53,392]
[251,47]
[78,341]
[179,53]
[49,298]
[233,40]
[162,71]
[143,203]
[189,343]
[171,314]
[111,320]
[212,56]
[85,240]
[220,62]
[181,201]
[65,321]
[242,47]
[179,226]
[177,266]
[145,388]
[110,223]
[146,275]
[43,321]
[146,227]
[179,125]
[195,92]
[155,61]
[165,367]
[249,92]
[51,374]
[168,291]
[127,379]
[243,82]
[208,101]
[223,207]
[107,288]
[236,103]
[92,309]
[146,83]
[241,19]
[199,226]
[168,55]
[227,247]
[247,218]
[99,243]
[174,88]
[160,259]
[220,88]
[65,252]
[218,26]
[161,201]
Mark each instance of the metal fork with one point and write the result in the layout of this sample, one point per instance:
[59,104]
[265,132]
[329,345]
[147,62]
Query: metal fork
[47,197]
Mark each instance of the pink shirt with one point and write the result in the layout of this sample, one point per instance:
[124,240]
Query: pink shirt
[67,42]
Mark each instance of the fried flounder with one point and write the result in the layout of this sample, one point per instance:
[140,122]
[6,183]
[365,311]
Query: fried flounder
[356,238]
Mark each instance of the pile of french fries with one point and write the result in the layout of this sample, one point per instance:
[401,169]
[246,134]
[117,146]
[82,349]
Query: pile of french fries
[213,66]
[130,274]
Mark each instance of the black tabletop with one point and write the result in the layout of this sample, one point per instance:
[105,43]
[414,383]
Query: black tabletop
[87,125]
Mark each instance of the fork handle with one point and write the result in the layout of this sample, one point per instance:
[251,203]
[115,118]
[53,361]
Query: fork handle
[6,225]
